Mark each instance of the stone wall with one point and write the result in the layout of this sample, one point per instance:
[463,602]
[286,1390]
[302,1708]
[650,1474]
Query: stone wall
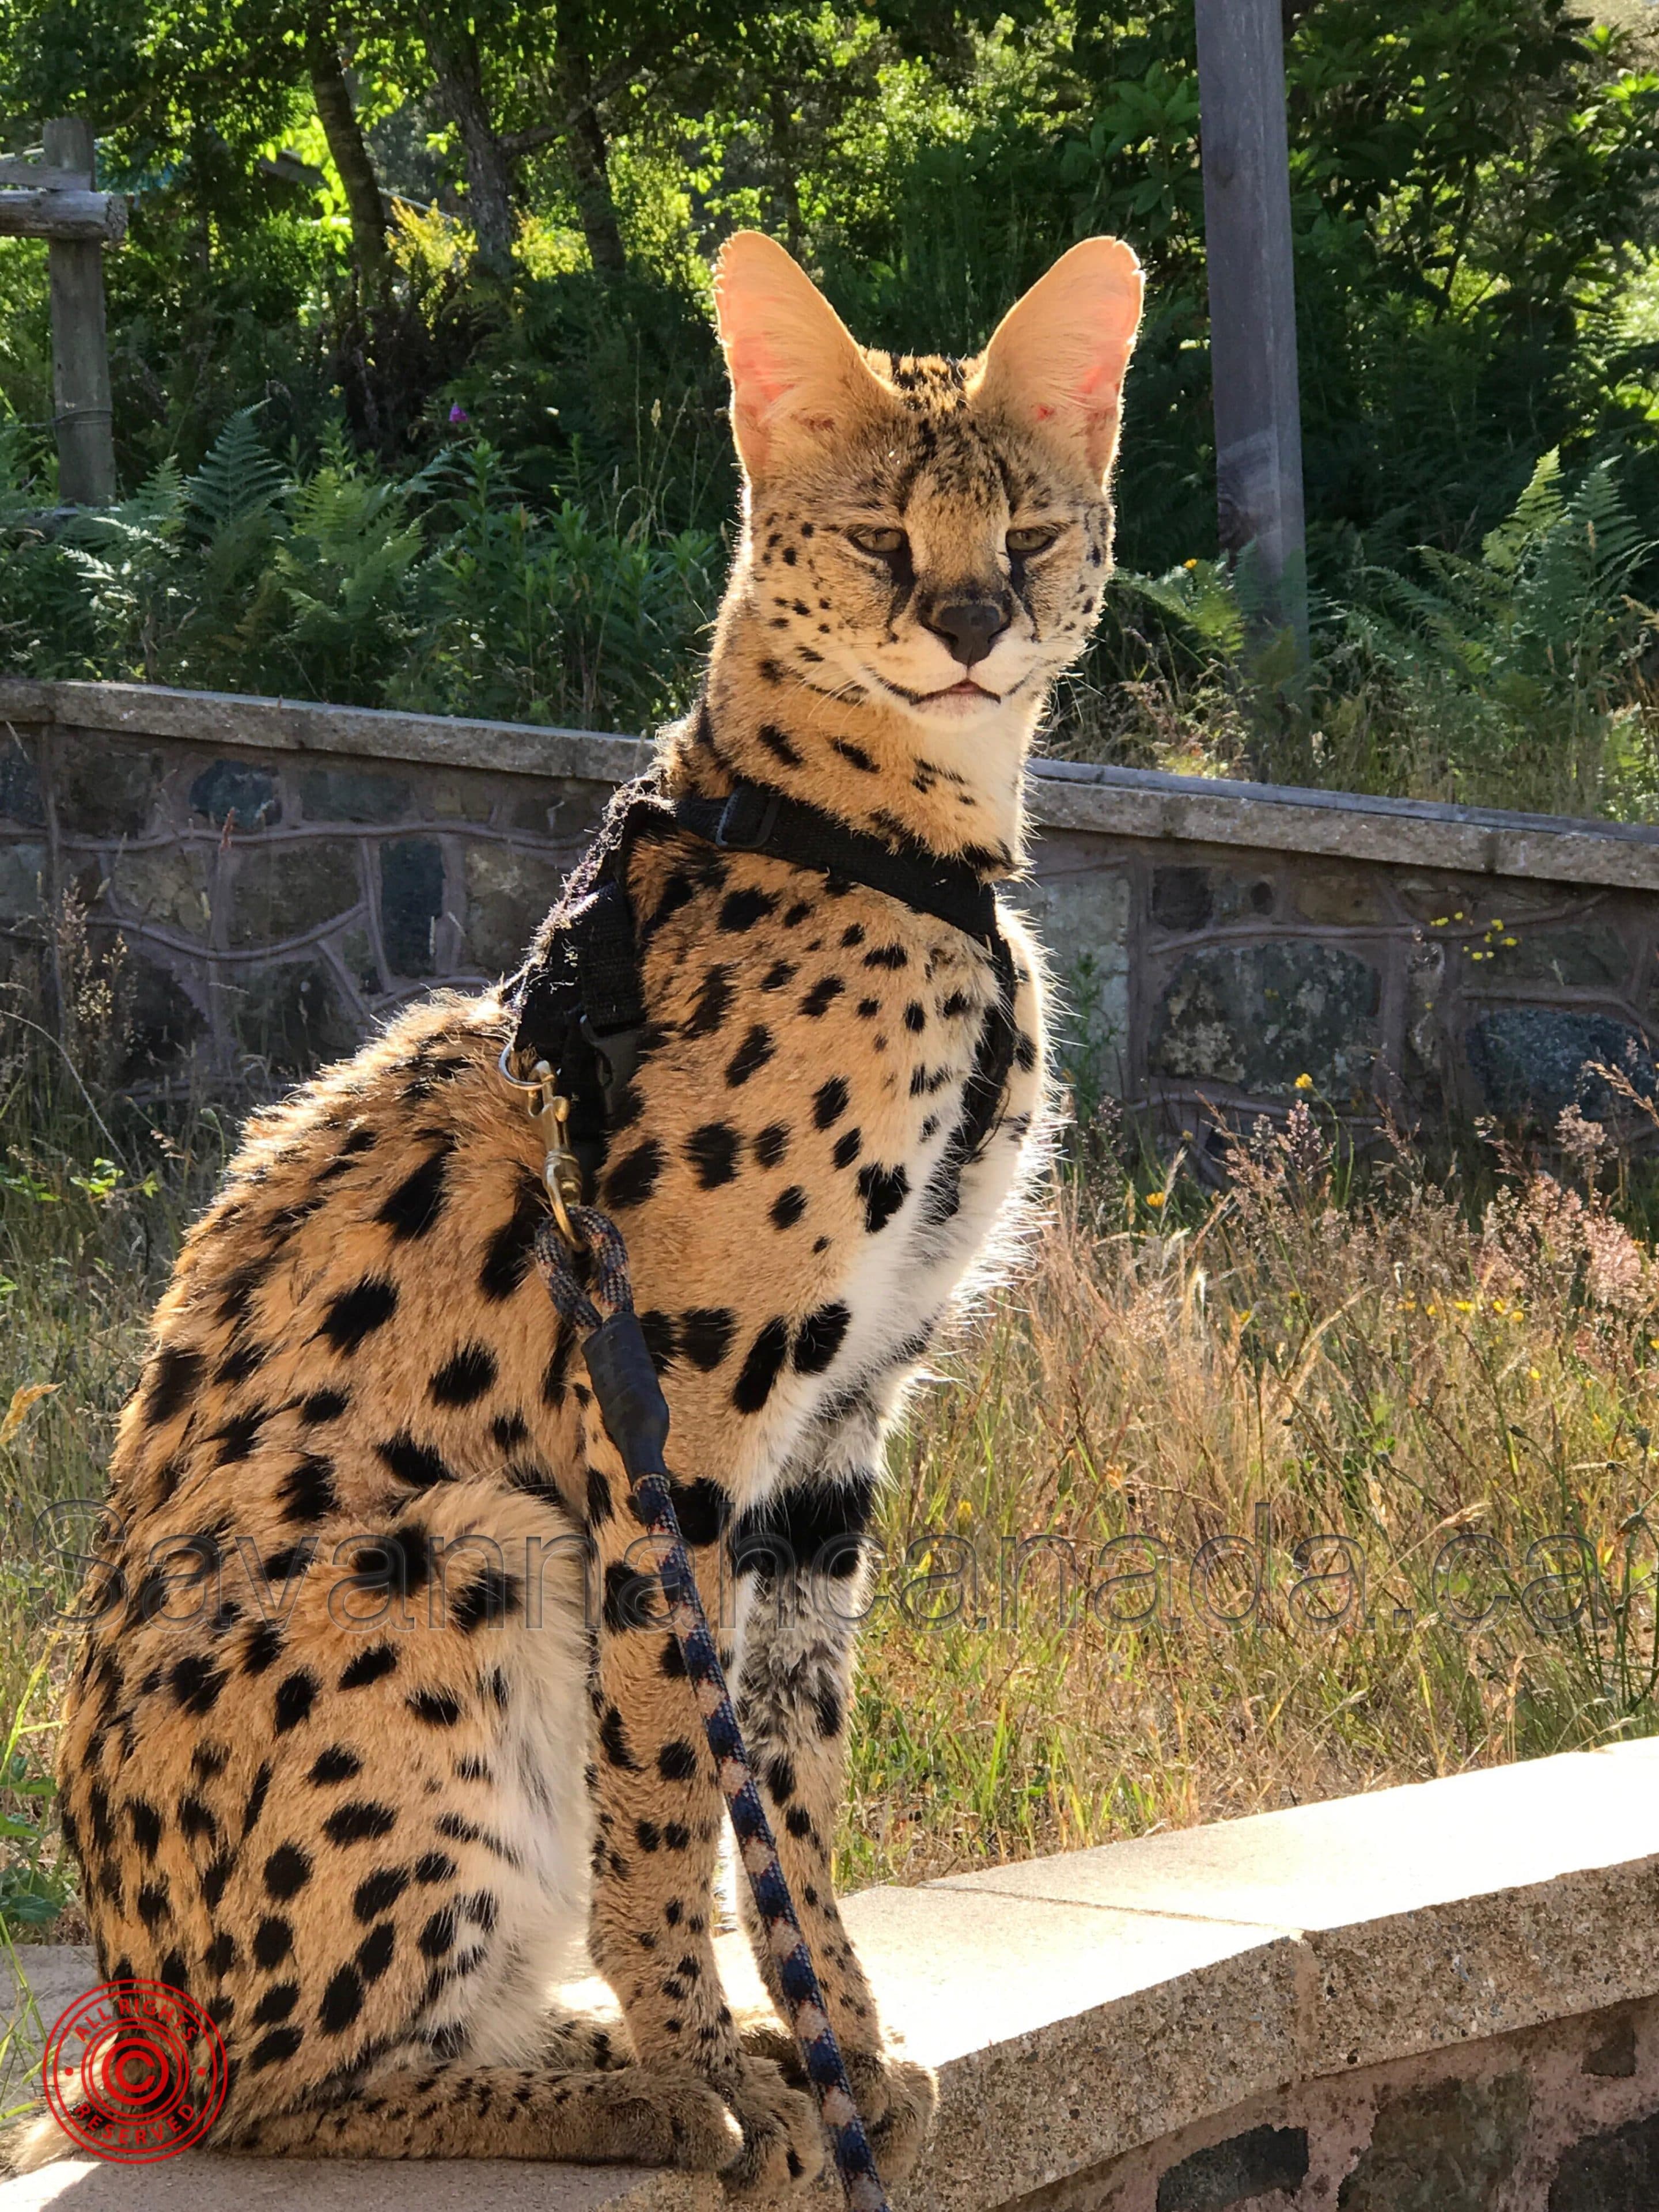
[285,875]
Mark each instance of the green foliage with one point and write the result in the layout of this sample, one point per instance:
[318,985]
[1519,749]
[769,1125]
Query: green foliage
[1512,677]
[441,591]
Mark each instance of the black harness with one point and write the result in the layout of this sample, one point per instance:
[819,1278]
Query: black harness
[578,999]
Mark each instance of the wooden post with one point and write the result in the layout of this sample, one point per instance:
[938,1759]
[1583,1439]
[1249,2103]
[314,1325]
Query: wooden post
[80,354]
[1246,229]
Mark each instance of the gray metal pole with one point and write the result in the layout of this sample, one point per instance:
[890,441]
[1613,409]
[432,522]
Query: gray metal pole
[80,356]
[1247,226]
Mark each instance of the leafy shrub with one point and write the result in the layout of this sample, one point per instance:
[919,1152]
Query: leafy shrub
[442,590]
[1520,678]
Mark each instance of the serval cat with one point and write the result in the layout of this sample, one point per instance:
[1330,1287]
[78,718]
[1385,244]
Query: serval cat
[336,1761]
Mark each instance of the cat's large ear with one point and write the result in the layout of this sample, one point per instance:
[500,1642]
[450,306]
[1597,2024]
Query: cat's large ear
[797,376]
[1056,361]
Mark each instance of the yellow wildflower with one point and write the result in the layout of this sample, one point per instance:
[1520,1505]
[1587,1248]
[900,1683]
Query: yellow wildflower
[1304,1083]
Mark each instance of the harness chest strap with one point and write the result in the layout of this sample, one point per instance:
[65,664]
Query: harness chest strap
[581,1012]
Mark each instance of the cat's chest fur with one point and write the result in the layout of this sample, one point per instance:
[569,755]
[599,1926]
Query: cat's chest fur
[807,1070]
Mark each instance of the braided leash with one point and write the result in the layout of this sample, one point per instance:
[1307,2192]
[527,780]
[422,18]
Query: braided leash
[636,1418]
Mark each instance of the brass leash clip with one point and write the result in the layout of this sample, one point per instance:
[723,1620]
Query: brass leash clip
[561,1170]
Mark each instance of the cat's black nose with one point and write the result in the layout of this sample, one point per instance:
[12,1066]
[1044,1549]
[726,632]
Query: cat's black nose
[969,626]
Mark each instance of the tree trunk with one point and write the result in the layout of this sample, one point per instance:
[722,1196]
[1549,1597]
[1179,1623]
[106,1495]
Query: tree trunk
[346,143]
[453,54]
[573,82]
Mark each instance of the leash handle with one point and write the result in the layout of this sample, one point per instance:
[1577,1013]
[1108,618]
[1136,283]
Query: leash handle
[636,1416]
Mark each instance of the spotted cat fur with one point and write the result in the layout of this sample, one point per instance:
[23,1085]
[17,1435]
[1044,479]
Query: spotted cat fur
[375,1723]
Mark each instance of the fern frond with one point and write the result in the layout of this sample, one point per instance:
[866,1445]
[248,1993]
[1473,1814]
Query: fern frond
[238,478]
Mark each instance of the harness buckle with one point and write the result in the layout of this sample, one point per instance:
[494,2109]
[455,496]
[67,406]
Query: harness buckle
[740,829]
[561,1171]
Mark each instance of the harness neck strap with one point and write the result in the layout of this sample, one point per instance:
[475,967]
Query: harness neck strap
[753,819]
[580,1004]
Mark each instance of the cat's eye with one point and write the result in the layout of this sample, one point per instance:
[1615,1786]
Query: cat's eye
[1035,539]
[884,542]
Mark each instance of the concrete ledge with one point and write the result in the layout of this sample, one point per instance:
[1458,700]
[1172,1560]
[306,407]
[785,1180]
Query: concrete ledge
[1087,2010]
[1064,794]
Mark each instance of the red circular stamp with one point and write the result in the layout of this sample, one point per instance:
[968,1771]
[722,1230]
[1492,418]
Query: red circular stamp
[134,2072]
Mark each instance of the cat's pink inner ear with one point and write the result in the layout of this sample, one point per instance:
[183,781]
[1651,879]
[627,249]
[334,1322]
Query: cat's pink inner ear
[1058,358]
[796,372]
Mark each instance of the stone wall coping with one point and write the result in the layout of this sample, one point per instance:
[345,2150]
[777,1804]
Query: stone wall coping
[1079,2007]
[1063,794]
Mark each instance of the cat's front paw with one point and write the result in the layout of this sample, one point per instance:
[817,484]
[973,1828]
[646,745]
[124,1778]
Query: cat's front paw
[897,2099]
[783,2143]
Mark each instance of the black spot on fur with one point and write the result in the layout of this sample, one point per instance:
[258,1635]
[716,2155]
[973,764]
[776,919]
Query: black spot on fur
[778,744]
[677,1762]
[771,1144]
[705,1335]
[701,1509]
[359,1822]
[196,1681]
[848,1148]
[829,1102]
[379,1893]
[490,1598]
[412,1209]
[884,1190]
[435,1707]
[742,909]
[256,1799]
[712,1004]
[354,1314]
[788,1207]
[632,1599]
[760,1369]
[335,1764]
[613,1737]
[807,1526]
[374,1951]
[175,1376]
[237,1438]
[822,995]
[855,756]
[414,1463]
[657,1328]
[438,1937]
[463,1380]
[287,1871]
[599,1507]
[146,1826]
[780,1779]
[634,1177]
[324,1406]
[271,2049]
[370,1666]
[508,1255]
[750,1056]
[295,1696]
[712,1153]
[273,1940]
[307,1491]
[819,1339]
